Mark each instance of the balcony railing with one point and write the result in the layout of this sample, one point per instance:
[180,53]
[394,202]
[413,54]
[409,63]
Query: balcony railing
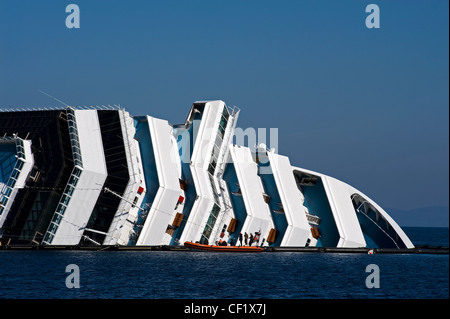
[7,188]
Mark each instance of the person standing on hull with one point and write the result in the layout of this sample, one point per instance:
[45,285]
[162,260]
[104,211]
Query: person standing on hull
[251,239]
[256,238]
[262,243]
[246,239]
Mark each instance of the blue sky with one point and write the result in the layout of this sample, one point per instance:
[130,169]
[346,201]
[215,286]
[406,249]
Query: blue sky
[367,106]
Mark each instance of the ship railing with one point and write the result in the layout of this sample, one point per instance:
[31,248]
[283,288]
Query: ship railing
[233,110]
[61,108]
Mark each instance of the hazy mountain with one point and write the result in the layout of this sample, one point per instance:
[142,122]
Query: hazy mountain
[433,216]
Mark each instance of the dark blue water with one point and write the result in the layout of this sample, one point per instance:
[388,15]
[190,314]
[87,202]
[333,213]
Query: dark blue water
[188,275]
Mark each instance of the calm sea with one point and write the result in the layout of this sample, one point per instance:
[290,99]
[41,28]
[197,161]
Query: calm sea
[191,275]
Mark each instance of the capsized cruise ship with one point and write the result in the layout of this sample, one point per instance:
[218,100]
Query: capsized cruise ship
[100,176]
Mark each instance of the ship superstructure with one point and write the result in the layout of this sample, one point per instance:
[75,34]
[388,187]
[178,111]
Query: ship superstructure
[100,176]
